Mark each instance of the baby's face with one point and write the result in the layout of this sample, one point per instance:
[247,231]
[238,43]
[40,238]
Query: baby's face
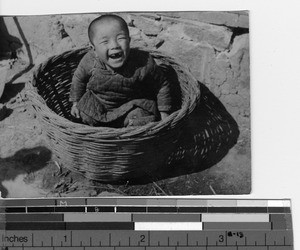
[111,43]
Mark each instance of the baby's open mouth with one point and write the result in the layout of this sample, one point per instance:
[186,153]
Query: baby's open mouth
[116,55]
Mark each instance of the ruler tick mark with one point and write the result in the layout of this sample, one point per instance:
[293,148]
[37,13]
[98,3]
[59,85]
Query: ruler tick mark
[265,239]
[71,238]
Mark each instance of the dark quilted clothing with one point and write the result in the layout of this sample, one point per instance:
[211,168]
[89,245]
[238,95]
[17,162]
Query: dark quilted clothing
[106,96]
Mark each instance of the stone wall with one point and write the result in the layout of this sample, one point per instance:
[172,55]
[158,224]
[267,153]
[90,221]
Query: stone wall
[214,45]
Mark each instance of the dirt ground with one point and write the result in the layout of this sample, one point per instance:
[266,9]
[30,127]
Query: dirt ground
[28,169]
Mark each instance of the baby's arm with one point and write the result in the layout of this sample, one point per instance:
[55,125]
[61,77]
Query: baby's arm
[75,111]
[79,81]
[164,115]
[164,98]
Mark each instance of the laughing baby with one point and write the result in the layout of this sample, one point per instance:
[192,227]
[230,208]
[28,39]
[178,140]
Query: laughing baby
[115,85]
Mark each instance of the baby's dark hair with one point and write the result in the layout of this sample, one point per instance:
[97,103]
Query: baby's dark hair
[106,17]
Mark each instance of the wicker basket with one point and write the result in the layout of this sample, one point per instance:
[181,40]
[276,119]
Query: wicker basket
[101,153]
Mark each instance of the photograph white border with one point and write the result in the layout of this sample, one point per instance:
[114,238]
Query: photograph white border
[275,81]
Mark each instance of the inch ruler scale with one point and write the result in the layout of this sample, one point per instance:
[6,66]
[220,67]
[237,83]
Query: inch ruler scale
[145,224]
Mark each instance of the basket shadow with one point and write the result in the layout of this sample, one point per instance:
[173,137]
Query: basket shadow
[211,132]
[11,91]
[24,161]
[5,112]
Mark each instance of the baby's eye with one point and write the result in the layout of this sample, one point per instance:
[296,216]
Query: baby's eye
[122,37]
[104,42]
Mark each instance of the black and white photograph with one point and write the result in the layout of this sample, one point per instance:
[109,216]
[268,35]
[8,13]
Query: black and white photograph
[165,108]
[125,104]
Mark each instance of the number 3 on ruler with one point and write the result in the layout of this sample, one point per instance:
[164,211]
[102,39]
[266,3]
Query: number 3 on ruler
[221,238]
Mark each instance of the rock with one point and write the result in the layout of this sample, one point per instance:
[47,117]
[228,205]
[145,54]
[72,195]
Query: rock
[243,92]
[78,35]
[137,39]
[218,37]
[134,32]
[243,21]
[233,100]
[176,31]
[226,89]
[77,28]
[218,73]
[230,71]
[148,26]
[239,43]
[231,19]
[159,42]
[234,111]
[216,90]
[64,45]
[196,56]
[240,60]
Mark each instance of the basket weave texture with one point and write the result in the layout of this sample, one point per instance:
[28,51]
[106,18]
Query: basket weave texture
[102,153]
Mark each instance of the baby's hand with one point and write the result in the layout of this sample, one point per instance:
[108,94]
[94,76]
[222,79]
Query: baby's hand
[75,111]
[163,115]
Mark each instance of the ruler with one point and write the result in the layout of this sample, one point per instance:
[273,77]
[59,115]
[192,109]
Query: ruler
[145,224]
